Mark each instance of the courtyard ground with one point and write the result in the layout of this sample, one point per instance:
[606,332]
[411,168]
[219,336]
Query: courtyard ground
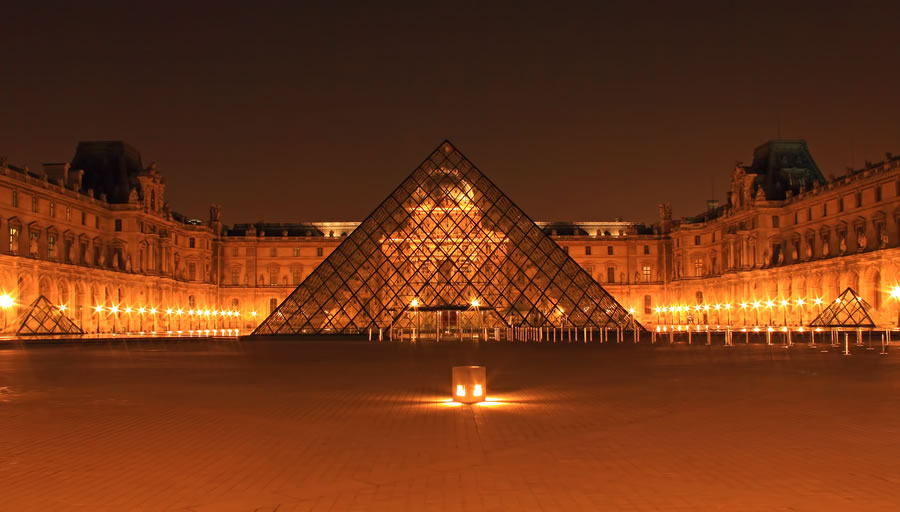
[228,425]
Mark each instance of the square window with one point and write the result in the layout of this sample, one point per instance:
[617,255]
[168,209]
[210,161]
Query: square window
[877,194]
[610,250]
[192,242]
[68,214]
[118,224]
[696,239]
[273,252]
[587,250]
[234,251]
[97,221]
[858,199]
[83,218]
[15,197]
[840,204]
[646,249]
[296,252]
[52,209]
[646,273]
[319,251]
[235,276]
[776,221]
[610,274]
[34,204]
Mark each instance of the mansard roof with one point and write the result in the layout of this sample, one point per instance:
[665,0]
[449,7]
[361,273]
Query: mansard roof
[110,167]
[782,165]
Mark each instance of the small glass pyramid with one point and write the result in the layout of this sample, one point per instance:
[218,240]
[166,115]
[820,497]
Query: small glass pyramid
[447,246]
[848,310]
[43,318]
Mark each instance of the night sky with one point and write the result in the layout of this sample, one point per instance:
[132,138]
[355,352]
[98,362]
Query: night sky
[286,112]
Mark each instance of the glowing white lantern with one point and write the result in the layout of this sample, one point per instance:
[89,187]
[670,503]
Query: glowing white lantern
[469,384]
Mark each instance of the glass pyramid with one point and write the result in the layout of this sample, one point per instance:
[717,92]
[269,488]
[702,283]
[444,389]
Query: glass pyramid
[446,242]
[848,310]
[43,318]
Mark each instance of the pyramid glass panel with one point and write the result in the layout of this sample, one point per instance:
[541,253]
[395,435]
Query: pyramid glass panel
[848,310]
[447,250]
[43,318]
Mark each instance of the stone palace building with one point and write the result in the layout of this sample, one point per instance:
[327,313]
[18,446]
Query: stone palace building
[97,235]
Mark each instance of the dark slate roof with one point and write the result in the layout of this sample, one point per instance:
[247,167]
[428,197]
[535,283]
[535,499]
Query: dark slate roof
[110,167]
[275,229]
[782,165]
[563,229]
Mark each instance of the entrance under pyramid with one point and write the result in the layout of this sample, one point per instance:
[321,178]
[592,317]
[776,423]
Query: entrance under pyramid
[446,256]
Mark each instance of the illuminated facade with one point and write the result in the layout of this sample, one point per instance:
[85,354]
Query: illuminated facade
[98,232]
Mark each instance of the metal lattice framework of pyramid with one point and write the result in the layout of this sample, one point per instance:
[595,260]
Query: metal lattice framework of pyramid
[848,310]
[43,318]
[446,238]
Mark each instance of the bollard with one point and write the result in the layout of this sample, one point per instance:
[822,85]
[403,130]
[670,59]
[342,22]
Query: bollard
[379,334]
[883,346]
[846,345]
[708,336]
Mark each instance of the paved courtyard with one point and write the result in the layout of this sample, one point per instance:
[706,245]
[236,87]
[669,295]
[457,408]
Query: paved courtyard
[343,425]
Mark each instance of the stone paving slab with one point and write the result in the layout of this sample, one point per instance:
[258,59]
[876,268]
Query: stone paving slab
[311,425]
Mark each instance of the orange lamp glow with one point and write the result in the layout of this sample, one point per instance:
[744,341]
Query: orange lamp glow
[469,378]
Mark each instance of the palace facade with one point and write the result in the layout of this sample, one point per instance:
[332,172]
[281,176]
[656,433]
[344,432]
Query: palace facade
[97,235]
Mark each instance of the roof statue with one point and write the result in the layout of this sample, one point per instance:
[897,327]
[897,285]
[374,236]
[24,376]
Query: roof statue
[848,310]
[446,240]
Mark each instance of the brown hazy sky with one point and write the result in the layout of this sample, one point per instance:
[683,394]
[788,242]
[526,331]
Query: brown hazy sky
[286,111]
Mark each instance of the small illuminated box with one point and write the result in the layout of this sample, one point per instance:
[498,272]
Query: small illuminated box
[469,384]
